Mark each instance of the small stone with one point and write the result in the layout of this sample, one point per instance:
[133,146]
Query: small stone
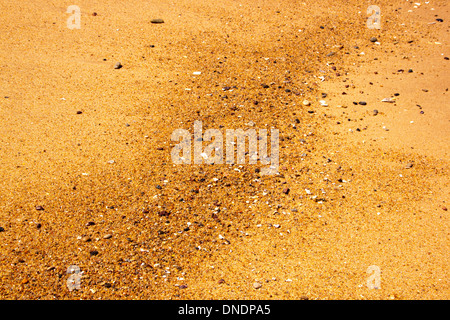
[2,229]
[373,39]
[257,285]
[107,236]
[38,225]
[375,112]
[158,187]
[157,21]
[410,70]
[183,286]
[265,86]
[362,103]
[409,166]
[118,65]
[221,281]
[439,20]
[286,190]
[39,208]
[90,223]
[324,95]
[79,112]
[163,213]
[94,14]
[107,285]
[331,54]
[306,103]
[444,208]
[93,252]
[86,239]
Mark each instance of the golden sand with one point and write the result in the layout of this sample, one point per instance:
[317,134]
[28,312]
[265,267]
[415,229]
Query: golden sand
[91,144]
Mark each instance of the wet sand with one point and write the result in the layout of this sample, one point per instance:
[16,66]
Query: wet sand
[87,179]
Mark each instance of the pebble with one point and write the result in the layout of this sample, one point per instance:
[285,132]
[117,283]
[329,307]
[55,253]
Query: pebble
[107,236]
[409,166]
[286,190]
[221,281]
[93,252]
[86,239]
[362,103]
[2,229]
[39,208]
[375,112]
[157,21]
[444,208]
[183,286]
[163,213]
[257,285]
[373,39]
[118,65]
[306,103]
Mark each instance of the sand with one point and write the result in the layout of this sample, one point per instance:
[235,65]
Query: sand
[90,146]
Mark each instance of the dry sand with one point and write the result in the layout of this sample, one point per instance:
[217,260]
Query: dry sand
[378,197]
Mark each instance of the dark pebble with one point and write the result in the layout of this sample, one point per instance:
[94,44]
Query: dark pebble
[265,86]
[373,39]
[375,112]
[163,213]
[157,21]
[79,112]
[410,70]
[183,286]
[90,223]
[363,103]
[439,20]
[221,281]
[286,190]
[2,229]
[93,253]
[396,94]
[38,225]
[40,208]
[158,187]
[118,65]
[324,95]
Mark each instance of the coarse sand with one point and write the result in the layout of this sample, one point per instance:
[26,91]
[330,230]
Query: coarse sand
[87,178]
